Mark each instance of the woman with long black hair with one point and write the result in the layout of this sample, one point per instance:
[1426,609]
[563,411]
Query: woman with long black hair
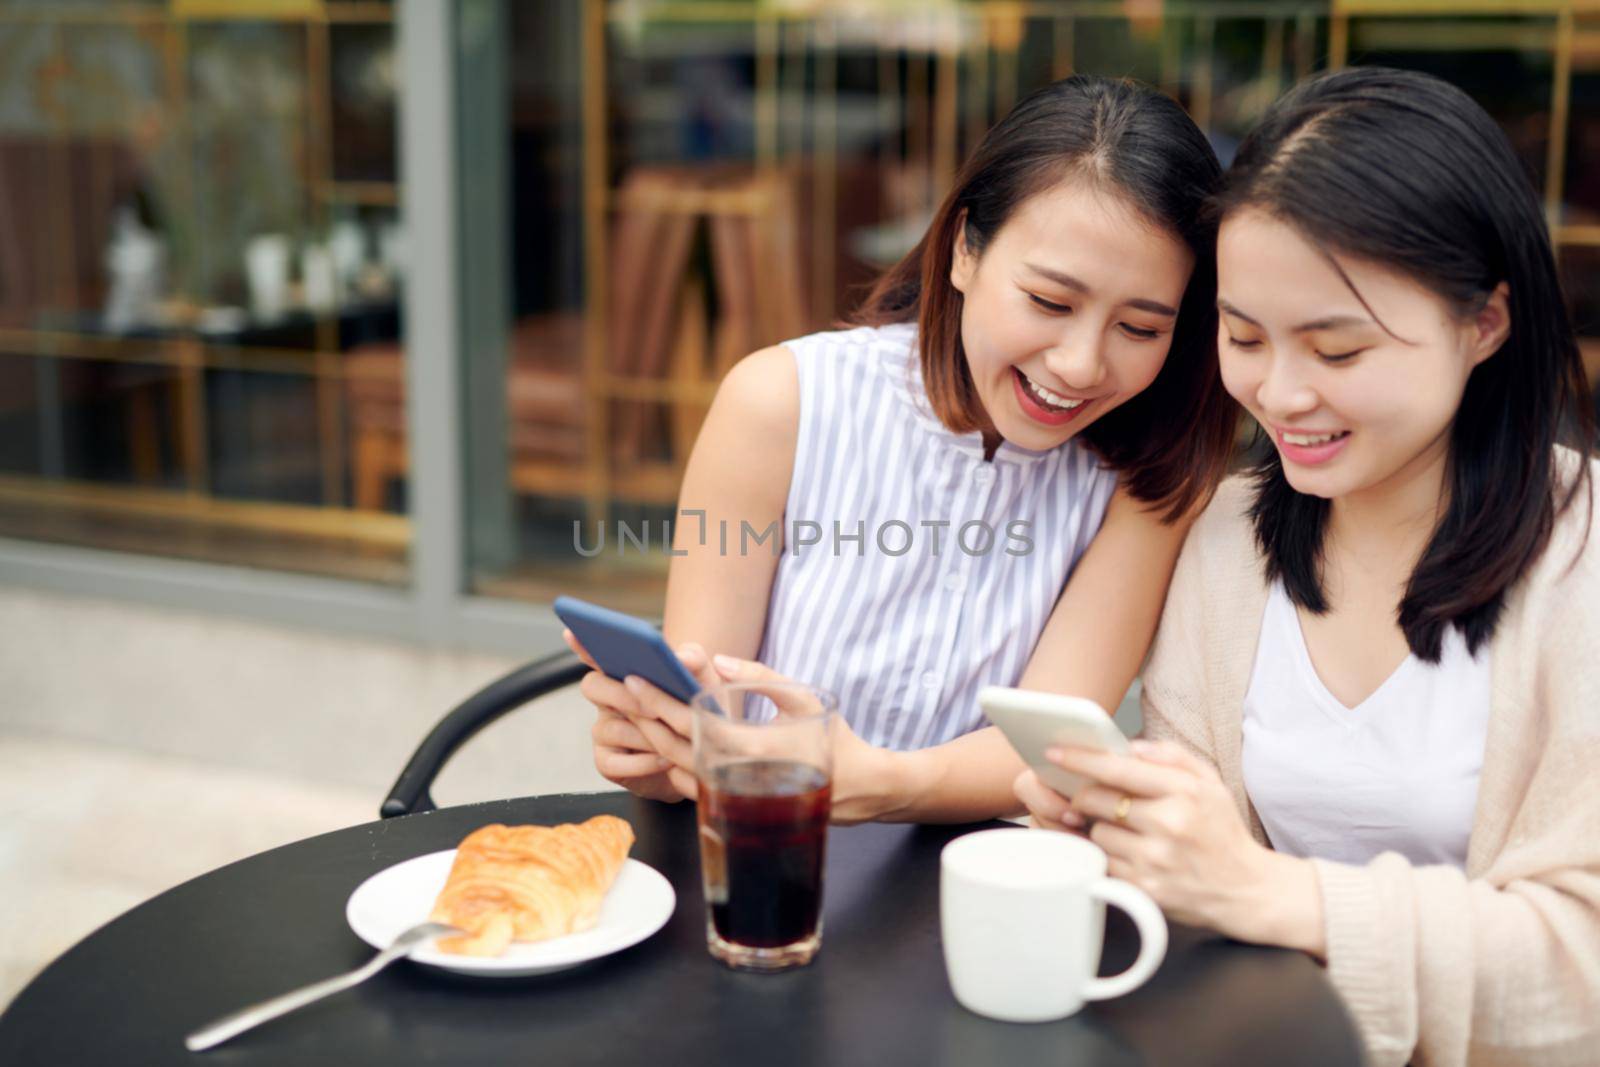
[1373,705]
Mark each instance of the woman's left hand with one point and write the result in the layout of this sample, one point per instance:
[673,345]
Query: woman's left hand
[860,770]
[1169,826]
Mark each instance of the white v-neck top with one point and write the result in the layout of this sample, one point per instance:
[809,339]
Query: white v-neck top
[1397,773]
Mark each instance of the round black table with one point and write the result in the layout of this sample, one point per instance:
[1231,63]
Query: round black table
[877,993]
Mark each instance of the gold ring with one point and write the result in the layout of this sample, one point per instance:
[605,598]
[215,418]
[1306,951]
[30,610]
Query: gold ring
[1120,814]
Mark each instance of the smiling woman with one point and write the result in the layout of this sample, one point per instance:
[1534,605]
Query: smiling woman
[1076,273]
[1338,345]
[1373,691]
[1085,347]
[1042,363]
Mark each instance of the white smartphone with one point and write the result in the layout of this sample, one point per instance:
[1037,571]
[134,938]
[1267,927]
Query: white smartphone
[1034,721]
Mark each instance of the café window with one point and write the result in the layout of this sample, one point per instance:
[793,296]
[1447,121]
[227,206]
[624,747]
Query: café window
[203,256]
[685,183]
[201,268]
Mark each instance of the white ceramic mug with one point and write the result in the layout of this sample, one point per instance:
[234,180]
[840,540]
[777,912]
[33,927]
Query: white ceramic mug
[1023,915]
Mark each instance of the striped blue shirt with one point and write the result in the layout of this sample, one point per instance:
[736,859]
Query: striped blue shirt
[913,571]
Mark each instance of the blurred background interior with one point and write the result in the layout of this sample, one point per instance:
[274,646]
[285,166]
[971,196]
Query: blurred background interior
[334,334]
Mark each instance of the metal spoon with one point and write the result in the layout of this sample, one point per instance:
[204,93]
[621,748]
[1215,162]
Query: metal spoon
[232,1025]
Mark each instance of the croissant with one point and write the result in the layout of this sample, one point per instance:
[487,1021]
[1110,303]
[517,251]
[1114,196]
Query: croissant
[529,883]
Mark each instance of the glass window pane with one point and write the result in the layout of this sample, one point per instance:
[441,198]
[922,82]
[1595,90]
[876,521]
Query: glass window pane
[199,268]
[828,132]
[756,175]
[1505,63]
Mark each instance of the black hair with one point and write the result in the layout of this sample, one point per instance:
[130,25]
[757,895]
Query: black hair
[1171,443]
[1406,170]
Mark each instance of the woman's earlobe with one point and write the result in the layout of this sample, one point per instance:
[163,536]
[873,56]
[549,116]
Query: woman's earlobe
[962,261]
[1493,323]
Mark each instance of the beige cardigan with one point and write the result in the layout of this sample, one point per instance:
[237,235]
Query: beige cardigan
[1497,964]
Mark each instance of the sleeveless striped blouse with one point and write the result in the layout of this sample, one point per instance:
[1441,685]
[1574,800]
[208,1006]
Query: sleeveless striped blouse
[913,571]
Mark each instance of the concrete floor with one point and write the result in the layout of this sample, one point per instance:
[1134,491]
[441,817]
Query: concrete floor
[91,830]
[141,747]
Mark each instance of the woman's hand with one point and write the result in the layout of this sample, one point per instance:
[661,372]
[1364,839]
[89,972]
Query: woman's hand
[629,747]
[1049,809]
[861,772]
[1169,826]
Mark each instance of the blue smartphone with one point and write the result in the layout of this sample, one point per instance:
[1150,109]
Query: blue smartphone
[623,645]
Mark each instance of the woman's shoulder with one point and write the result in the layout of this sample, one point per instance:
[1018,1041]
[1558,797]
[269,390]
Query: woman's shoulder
[1224,531]
[758,399]
[766,387]
[1544,646]
[866,344]
[1219,573]
[1550,615]
[1571,559]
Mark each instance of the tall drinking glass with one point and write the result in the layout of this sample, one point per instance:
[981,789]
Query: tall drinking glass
[765,765]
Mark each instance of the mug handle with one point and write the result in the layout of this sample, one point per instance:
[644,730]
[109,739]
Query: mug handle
[1152,938]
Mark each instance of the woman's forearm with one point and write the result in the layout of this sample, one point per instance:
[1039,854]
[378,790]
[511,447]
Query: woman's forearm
[965,780]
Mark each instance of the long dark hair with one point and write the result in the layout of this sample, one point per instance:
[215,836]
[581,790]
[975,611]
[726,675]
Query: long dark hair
[1171,443]
[1406,170]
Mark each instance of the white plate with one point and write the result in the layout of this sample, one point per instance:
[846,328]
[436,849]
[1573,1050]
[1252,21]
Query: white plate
[393,900]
